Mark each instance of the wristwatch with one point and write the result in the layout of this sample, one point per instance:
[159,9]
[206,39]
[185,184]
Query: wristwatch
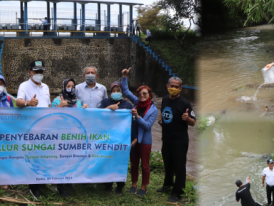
[26,103]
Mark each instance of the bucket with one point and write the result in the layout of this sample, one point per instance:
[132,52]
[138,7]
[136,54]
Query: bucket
[268,75]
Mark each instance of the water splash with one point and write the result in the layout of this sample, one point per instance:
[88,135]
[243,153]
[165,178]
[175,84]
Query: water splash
[255,95]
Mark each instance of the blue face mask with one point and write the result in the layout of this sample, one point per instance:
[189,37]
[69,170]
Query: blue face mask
[116,96]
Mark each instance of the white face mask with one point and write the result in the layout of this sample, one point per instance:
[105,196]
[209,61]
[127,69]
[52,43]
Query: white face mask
[37,77]
[2,89]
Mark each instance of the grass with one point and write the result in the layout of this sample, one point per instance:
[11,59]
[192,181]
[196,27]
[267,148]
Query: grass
[182,59]
[93,194]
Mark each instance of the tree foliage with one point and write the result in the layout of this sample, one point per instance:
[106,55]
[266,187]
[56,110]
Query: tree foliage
[149,16]
[184,9]
[256,10]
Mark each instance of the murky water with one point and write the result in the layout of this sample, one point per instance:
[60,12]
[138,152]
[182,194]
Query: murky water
[231,149]
[230,70]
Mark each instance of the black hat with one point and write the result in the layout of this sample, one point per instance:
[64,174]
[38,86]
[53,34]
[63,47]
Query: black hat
[270,161]
[238,183]
[36,65]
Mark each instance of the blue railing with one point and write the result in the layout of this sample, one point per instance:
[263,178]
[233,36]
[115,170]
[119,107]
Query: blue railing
[161,61]
[1,51]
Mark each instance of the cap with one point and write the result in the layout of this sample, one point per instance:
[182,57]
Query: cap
[238,183]
[36,65]
[270,161]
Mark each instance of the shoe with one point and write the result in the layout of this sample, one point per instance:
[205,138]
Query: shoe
[108,190]
[174,198]
[162,189]
[119,191]
[36,193]
[62,191]
[133,190]
[142,192]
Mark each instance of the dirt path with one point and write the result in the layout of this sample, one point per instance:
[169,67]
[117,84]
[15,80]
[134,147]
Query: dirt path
[191,166]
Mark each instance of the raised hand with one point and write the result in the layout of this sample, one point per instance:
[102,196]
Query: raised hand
[33,102]
[185,116]
[125,72]
[63,103]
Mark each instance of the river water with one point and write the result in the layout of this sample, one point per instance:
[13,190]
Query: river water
[231,149]
[230,69]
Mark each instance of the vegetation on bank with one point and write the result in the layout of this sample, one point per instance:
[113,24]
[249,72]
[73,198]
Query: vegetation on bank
[175,43]
[93,194]
[181,58]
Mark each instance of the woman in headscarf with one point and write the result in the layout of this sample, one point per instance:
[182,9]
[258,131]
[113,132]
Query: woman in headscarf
[145,113]
[5,101]
[115,101]
[67,98]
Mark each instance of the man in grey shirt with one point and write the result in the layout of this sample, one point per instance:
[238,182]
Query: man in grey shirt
[90,92]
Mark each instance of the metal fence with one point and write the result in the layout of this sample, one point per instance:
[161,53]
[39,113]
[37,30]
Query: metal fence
[11,15]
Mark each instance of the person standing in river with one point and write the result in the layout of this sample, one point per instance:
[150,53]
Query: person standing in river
[268,177]
[176,115]
[243,194]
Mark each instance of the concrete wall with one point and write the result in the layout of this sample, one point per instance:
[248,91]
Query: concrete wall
[66,58]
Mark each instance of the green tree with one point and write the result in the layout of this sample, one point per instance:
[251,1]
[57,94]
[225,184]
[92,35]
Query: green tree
[149,16]
[184,9]
[256,10]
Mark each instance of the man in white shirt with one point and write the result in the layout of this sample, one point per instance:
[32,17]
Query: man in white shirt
[34,93]
[268,177]
[45,24]
[90,92]
[148,38]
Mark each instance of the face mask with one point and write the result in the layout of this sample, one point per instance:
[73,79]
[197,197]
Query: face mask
[173,92]
[37,77]
[90,78]
[2,89]
[70,90]
[116,96]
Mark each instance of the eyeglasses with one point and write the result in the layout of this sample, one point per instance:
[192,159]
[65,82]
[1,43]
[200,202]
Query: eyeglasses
[140,94]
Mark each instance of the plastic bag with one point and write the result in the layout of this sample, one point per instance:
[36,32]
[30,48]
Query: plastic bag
[268,75]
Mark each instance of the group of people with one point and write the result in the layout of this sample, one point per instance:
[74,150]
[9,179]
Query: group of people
[176,115]
[243,193]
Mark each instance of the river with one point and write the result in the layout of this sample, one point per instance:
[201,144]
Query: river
[230,66]
[233,148]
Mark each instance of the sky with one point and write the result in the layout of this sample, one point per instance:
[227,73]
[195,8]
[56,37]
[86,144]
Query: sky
[114,7]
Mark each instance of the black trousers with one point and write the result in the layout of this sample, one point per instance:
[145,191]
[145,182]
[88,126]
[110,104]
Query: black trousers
[174,156]
[34,187]
[119,184]
[269,190]
[45,29]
